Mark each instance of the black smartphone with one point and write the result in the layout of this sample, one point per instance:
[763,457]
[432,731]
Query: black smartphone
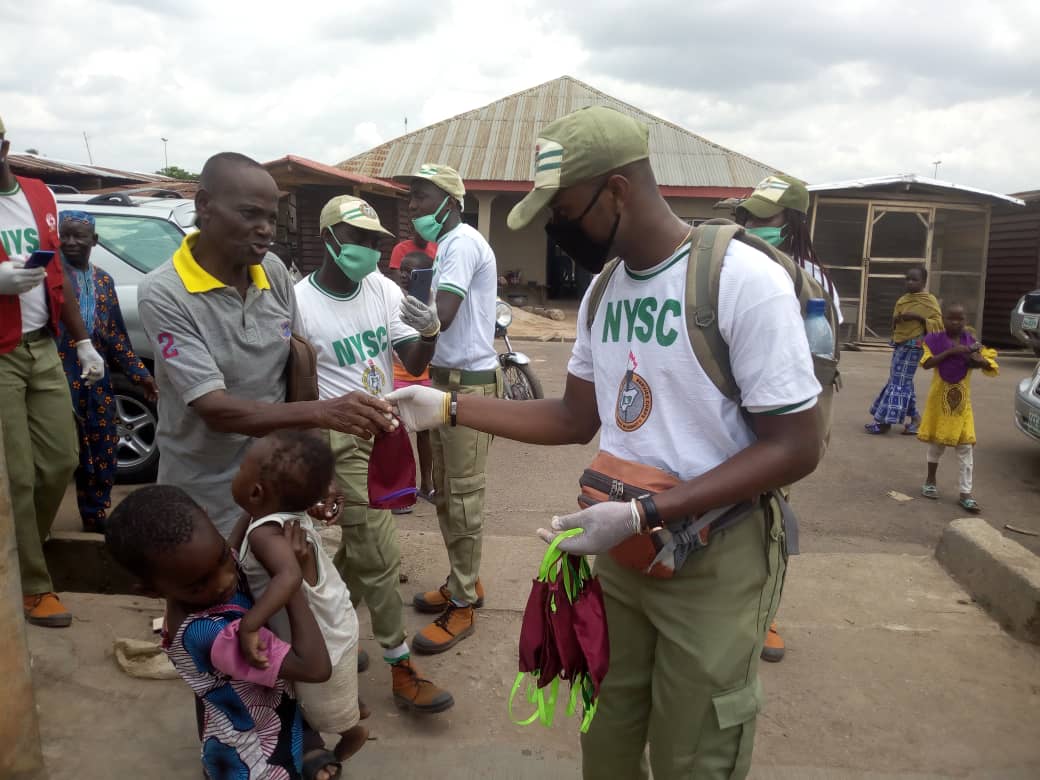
[39,258]
[419,283]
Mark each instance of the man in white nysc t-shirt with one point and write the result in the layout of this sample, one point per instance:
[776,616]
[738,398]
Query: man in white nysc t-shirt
[356,318]
[466,281]
[684,643]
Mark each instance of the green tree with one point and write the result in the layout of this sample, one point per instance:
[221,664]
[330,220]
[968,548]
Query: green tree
[176,172]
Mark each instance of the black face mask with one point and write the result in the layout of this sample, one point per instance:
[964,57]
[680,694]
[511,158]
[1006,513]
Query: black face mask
[569,237]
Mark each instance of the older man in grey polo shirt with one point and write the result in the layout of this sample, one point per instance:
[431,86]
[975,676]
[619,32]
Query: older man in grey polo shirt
[219,315]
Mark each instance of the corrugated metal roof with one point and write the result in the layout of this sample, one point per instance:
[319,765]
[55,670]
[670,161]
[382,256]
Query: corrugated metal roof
[496,142]
[39,167]
[331,173]
[914,183]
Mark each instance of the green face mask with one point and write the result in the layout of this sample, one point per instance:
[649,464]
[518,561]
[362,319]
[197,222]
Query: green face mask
[771,235]
[428,226]
[355,261]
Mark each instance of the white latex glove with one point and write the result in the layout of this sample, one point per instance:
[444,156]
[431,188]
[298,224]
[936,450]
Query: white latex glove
[604,526]
[16,279]
[90,361]
[421,408]
[420,316]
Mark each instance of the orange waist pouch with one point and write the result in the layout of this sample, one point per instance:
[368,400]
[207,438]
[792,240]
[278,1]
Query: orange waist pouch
[661,553]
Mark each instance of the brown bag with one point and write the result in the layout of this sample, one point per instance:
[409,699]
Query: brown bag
[609,478]
[661,553]
[301,370]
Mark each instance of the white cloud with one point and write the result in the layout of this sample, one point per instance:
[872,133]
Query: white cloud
[825,90]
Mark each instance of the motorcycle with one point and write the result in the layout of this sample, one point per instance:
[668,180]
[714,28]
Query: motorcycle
[519,381]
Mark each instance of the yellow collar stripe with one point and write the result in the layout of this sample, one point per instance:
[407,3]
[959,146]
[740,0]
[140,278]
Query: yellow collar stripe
[197,279]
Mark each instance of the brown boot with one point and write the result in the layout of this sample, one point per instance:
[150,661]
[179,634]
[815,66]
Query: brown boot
[44,609]
[773,649]
[454,624]
[417,693]
[433,602]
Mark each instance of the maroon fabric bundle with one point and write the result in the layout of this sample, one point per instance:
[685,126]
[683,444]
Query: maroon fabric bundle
[563,637]
[391,471]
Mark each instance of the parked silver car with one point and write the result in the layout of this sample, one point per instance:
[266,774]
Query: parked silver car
[135,235]
[1025,321]
[1027,405]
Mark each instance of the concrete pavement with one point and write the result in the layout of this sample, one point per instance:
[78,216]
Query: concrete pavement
[891,672]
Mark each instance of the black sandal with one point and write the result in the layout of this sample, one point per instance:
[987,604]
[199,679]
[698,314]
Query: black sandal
[318,759]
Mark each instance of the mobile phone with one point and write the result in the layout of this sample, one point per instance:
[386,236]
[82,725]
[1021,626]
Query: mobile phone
[39,258]
[419,284]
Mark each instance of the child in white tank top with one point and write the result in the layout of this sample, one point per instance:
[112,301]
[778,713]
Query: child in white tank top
[281,476]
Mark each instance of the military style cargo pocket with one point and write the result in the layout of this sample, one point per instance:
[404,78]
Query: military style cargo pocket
[467,495]
[737,710]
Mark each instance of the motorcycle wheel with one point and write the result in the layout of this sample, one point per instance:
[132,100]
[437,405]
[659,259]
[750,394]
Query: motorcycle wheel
[520,383]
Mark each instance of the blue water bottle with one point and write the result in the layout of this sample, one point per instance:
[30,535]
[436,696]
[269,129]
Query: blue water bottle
[818,330]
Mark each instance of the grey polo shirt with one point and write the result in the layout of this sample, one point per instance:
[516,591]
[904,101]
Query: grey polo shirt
[205,338]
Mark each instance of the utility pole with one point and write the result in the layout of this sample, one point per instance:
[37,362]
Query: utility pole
[20,753]
[87,142]
[937,163]
[166,159]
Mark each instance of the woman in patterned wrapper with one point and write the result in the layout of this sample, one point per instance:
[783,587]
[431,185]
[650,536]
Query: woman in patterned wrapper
[95,405]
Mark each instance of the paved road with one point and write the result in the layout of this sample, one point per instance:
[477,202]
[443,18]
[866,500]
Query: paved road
[892,673]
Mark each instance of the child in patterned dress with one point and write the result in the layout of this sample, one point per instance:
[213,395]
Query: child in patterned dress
[948,417]
[251,725]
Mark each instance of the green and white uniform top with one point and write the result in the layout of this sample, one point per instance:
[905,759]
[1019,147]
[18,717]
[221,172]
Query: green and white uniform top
[354,334]
[465,267]
[656,404]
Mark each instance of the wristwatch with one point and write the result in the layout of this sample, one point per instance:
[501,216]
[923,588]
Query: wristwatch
[651,517]
[453,408]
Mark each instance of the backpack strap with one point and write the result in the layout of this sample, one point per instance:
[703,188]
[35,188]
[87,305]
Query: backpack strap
[599,289]
[702,299]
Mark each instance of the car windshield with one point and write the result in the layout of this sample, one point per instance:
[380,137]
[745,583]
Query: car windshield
[143,242]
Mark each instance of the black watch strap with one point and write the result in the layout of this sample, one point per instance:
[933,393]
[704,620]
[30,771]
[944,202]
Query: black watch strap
[650,513]
[453,407]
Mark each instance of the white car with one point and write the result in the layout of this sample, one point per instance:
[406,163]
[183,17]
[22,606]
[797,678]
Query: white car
[135,235]
[1025,321]
[1027,405]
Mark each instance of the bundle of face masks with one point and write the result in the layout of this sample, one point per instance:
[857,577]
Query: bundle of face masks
[563,637]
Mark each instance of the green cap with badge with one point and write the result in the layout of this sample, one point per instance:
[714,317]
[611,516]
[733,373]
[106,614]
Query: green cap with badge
[576,148]
[353,211]
[776,193]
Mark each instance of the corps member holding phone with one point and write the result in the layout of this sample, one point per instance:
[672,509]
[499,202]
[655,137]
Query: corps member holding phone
[357,319]
[39,431]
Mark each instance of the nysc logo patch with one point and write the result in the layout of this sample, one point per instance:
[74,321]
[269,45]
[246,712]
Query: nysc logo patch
[373,378]
[635,401]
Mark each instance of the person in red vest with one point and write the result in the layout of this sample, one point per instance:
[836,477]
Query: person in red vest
[39,431]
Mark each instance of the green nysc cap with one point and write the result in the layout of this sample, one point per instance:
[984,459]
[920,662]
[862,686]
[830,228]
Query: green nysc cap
[576,148]
[776,193]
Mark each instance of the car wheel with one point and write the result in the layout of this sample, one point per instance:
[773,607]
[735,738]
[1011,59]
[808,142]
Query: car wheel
[137,453]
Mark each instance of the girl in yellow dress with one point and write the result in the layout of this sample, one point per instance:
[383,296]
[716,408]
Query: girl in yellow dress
[948,420]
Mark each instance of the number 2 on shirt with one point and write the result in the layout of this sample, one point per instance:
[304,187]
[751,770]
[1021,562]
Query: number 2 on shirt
[166,342]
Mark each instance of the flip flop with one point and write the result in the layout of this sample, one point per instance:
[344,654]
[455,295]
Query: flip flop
[875,429]
[930,491]
[427,496]
[911,429]
[970,504]
[316,760]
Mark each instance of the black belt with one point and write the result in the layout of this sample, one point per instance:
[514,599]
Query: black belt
[35,335]
[456,376]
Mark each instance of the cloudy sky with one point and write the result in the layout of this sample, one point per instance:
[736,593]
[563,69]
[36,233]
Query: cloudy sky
[824,89]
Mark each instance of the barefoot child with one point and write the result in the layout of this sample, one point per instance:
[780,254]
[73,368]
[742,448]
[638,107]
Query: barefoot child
[948,419]
[282,475]
[250,723]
